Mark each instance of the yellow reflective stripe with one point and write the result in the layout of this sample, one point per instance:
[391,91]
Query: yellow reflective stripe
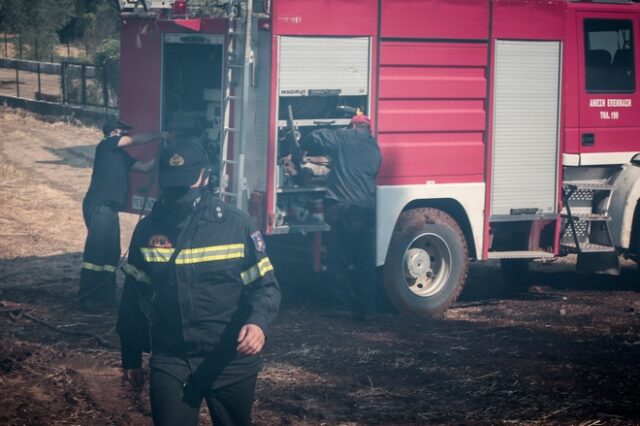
[194,255]
[256,271]
[136,273]
[156,254]
[98,268]
[250,275]
[209,254]
[265,266]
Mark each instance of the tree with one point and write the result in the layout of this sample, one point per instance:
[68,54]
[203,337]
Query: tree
[102,25]
[36,22]
[107,62]
[95,21]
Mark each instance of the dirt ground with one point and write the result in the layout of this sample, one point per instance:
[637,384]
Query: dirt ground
[563,351]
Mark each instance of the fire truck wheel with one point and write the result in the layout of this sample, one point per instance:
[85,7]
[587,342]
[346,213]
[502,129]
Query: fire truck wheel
[427,263]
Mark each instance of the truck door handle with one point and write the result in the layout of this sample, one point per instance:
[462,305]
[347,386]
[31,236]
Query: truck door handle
[588,139]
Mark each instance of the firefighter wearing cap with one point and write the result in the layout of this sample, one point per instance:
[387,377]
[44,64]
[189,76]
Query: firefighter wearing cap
[201,292]
[350,210]
[105,197]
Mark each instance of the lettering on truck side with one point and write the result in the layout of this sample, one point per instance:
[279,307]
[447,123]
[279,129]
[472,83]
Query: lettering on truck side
[609,103]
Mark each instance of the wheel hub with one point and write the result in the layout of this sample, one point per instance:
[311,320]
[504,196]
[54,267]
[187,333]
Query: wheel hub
[427,265]
[418,262]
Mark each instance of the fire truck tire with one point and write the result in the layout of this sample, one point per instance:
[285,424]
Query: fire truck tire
[427,263]
[635,235]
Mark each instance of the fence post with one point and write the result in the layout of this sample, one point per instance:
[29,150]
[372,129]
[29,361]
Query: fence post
[6,52]
[17,81]
[20,45]
[39,83]
[62,83]
[84,84]
[105,89]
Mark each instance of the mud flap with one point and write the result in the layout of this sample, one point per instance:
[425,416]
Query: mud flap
[599,262]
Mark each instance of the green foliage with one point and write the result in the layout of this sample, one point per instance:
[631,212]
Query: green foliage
[107,62]
[41,24]
[36,22]
[99,25]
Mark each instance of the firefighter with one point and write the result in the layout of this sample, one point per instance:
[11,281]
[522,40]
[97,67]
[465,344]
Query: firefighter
[200,288]
[105,197]
[350,210]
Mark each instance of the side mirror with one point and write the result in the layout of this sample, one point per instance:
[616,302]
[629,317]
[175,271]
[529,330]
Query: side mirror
[635,160]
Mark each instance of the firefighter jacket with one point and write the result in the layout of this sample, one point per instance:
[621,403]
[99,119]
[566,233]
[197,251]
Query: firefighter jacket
[110,175]
[355,160]
[193,303]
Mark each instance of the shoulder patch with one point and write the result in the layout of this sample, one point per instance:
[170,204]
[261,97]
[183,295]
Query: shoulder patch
[161,241]
[258,241]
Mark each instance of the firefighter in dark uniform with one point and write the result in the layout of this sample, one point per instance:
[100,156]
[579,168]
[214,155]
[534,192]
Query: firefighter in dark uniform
[350,210]
[201,292]
[105,197]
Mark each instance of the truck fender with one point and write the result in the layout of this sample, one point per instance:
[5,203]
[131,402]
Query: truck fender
[391,200]
[624,199]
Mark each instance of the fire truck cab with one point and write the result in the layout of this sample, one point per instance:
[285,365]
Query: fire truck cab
[509,129]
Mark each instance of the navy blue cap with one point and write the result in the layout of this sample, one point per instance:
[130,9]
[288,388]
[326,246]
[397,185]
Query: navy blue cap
[181,164]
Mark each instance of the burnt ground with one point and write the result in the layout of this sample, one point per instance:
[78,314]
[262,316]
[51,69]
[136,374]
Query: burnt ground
[562,350]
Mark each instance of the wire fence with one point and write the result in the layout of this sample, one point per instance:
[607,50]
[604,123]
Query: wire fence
[64,83]
[60,78]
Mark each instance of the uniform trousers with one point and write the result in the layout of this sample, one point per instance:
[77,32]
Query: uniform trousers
[177,389]
[101,254]
[351,242]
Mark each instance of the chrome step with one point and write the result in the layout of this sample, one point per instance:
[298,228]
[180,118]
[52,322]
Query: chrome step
[520,254]
[587,216]
[585,220]
[593,185]
[587,247]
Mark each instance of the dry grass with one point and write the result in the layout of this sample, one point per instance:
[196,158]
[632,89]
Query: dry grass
[10,175]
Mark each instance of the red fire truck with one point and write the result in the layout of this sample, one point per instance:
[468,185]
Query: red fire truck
[509,129]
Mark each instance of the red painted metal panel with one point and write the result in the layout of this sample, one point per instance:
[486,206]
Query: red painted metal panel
[437,19]
[571,141]
[415,158]
[190,24]
[140,70]
[325,17]
[616,139]
[571,79]
[431,112]
[533,20]
[140,80]
[434,54]
[214,26]
[432,83]
[431,116]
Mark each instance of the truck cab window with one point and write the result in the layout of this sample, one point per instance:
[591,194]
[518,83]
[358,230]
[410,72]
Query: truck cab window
[609,60]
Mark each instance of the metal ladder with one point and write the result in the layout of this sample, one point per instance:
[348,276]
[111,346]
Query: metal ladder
[585,225]
[239,14]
